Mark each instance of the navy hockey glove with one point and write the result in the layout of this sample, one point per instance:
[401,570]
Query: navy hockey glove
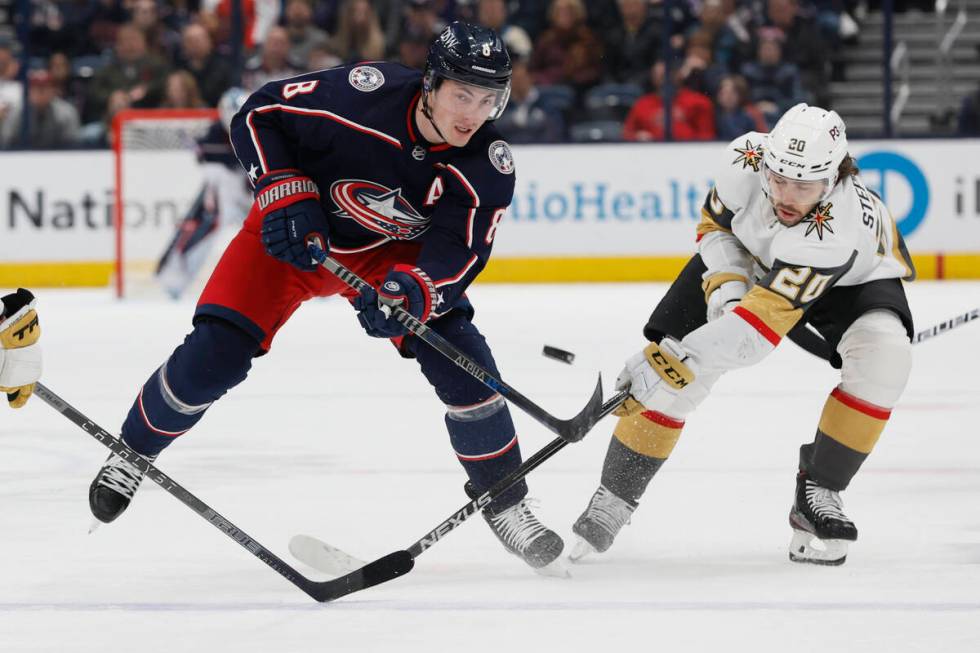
[292,217]
[406,287]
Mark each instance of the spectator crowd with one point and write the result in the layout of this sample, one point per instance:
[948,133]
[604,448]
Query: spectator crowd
[596,70]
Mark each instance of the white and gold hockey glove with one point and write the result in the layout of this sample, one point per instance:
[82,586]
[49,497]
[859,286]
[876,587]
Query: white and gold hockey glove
[20,353]
[655,376]
[722,292]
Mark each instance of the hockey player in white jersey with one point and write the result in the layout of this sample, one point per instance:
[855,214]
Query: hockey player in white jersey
[221,205]
[789,235]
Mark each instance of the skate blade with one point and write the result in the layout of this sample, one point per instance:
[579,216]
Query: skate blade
[580,550]
[322,556]
[94,525]
[807,547]
[557,568]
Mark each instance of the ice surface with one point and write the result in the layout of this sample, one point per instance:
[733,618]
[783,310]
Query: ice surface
[336,436]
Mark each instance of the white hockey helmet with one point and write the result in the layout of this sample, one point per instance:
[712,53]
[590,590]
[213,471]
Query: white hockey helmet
[807,144]
[229,104]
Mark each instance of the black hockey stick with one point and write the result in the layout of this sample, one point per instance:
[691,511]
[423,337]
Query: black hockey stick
[329,559]
[573,429]
[381,570]
[946,325]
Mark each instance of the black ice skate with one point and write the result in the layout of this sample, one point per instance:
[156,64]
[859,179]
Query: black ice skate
[598,526]
[113,488]
[821,530]
[526,537]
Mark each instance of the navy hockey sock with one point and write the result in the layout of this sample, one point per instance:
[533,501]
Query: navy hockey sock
[485,442]
[214,357]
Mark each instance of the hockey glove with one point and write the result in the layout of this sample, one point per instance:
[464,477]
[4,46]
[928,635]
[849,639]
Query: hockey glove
[724,298]
[20,355]
[292,217]
[656,375]
[406,287]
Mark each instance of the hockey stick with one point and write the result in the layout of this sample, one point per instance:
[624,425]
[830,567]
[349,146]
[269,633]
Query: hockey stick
[381,570]
[945,326]
[573,429]
[331,560]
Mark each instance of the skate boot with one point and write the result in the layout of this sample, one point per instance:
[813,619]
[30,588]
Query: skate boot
[114,487]
[821,530]
[523,535]
[598,526]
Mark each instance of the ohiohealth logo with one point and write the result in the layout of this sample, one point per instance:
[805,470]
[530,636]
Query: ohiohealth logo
[891,168]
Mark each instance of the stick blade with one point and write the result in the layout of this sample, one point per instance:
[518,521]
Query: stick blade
[323,557]
[576,428]
[373,573]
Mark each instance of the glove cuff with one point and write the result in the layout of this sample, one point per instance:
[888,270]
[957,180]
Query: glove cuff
[425,284]
[280,188]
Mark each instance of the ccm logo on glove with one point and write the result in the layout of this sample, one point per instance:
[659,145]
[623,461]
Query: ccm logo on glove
[668,366]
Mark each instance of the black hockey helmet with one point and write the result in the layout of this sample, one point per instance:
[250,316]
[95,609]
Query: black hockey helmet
[470,54]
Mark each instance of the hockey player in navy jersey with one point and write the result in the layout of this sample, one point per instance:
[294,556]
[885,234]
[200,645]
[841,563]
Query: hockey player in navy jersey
[402,178]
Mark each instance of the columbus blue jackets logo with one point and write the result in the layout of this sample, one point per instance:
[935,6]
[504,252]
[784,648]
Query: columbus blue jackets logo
[366,78]
[501,157]
[378,209]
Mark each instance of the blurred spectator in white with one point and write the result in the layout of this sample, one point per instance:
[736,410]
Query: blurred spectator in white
[359,36]
[181,92]
[197,56]
[692,114]
[272,61]
[493,14]
[775,83]
[568,51]
[160,39]
[11,90]
[53,122]
[633,45]
[734,112]
[527,119]
[303,34]
[133,74]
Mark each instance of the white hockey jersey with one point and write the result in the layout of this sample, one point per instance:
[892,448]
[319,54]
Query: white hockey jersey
[849,239]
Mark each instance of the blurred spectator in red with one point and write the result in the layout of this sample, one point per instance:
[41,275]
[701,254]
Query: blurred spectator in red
[633,45]
[258,17]
[134,75]
[734,112]
[568,52]
[692,114]
[527,119]
[160,39]
[493,14]
[303,34]
[197,56]
[181,92]
[53,122]
[272,61]
[775,83]
[359,36]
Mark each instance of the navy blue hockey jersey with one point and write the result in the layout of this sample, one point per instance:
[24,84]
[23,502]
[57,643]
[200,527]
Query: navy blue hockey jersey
[352,130]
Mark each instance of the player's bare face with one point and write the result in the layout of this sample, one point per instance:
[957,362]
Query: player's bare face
[792,199]
[458,110]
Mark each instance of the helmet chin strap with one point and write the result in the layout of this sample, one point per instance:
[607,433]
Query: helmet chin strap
[428,115]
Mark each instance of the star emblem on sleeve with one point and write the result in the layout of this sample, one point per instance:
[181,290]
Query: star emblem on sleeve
[253,172]
[818,220]
[750,156]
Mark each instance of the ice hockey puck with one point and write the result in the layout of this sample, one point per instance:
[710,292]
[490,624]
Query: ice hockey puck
[558,354]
